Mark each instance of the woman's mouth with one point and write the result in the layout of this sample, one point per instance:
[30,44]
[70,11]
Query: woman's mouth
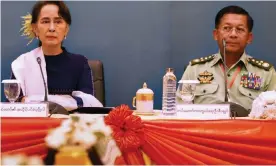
[51,37]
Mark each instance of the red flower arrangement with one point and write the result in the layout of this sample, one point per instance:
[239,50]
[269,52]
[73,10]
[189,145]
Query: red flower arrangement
[128,132]
[127,129]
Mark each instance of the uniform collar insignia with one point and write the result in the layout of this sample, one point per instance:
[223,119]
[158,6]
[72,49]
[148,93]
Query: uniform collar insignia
[218,58]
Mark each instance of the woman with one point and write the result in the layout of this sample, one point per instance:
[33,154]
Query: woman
[68,76]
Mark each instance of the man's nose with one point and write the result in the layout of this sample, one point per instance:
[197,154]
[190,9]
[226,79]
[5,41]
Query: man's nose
[233,32]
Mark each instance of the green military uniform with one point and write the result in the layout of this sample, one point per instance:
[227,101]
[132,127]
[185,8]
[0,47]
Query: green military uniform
[246,80]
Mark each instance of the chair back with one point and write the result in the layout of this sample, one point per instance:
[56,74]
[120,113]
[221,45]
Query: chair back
[98,79]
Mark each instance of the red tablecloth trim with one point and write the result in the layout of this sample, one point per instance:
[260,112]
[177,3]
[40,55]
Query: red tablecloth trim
[19,136]
[26,135]
[165,141]
[28,124]
[38,149]
[211,142]
[181,146]
[23,144]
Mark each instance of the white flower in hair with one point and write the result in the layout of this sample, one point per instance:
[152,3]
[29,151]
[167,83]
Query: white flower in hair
[27,29]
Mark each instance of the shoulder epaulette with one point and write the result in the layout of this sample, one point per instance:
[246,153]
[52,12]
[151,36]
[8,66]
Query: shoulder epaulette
[259,63]
[202,60]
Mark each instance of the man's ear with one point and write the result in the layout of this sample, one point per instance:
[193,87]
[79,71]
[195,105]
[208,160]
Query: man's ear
[215,34]
[34,28]
[250,38]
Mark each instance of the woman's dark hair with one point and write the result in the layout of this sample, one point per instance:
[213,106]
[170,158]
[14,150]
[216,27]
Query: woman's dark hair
[62,12]
[234,10]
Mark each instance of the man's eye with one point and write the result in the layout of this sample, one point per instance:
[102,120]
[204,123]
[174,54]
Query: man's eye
[227,28]
[240,29]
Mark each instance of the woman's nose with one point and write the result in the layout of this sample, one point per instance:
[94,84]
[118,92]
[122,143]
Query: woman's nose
[52,27]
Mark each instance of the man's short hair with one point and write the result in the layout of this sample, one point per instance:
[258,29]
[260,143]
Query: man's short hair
[234,10]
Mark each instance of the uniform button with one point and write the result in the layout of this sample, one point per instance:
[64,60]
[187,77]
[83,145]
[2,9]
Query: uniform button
[249,94]
[228,75]
[204,91]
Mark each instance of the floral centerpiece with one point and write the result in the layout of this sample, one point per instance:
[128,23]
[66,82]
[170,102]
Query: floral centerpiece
[81,140]
[264,106]
[21,159]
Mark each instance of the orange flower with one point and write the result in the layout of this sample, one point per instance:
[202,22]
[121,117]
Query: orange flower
[127,129]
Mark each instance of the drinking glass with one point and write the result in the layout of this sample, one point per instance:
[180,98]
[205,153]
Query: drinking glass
[187,90]
[11,89]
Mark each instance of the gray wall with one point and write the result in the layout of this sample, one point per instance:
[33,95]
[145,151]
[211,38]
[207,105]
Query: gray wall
[193,23]
[136,41]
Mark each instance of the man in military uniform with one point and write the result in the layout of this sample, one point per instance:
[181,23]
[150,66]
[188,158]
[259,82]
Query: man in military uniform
[246,77]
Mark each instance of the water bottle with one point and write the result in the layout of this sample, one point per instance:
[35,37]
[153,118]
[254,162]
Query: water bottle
[169,93]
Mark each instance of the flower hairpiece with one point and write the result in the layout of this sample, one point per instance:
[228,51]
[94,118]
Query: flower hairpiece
[26,28]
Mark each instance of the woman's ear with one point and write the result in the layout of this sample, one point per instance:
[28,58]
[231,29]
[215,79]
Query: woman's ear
[67,30]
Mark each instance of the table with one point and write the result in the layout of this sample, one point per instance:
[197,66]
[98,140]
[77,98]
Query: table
[166,141]
[26,135]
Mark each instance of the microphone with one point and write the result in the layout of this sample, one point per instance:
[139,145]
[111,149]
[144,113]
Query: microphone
[236,109]
[44,82]
[224,64]
[54,108]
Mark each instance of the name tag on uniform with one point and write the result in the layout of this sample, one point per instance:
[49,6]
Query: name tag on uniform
[204,111]
[24,109]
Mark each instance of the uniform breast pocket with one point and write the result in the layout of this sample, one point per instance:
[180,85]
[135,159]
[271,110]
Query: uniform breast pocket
[206,89]
[250,93]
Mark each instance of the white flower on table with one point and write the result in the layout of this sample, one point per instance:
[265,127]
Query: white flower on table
[93,124]
[100,126]
[12,160]
[67,124]
[264,106]
[79,130]
[57,137]
[21,159]
[83,138]
[35,160]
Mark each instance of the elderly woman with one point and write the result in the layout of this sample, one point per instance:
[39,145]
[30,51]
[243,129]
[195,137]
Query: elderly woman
[67,76]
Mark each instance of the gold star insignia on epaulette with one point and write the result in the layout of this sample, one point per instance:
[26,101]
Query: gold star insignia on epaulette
[202,60]
[259,63]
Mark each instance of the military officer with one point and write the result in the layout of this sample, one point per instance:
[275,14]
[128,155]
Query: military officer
[246,76]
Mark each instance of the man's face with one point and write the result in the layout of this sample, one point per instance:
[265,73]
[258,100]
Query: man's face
[234,30]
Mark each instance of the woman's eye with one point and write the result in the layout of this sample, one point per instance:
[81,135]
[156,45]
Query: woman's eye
[45,22]
[58,21]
